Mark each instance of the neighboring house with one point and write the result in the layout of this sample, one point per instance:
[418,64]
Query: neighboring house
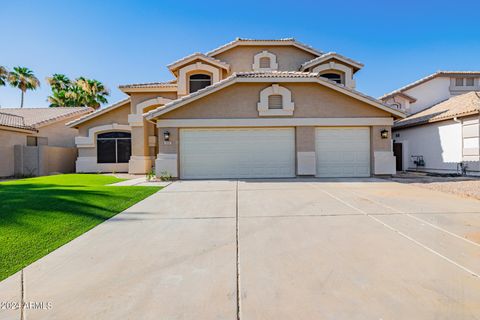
[248,109]
[441,133]
[33,127]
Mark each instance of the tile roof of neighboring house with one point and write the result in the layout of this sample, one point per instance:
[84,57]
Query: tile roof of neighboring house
[198,55]
[245,41]
[97,113]
[427,78]
[271,76]
[171,83]
[14,121]
[330,55]
[38,117]
[461,105]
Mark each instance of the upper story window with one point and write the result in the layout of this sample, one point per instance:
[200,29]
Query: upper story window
[464,82]
[333,77]
[114,147]
[265,61]
[199,81]
[275,101]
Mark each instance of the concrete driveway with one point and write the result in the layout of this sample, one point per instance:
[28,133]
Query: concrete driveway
[274,249]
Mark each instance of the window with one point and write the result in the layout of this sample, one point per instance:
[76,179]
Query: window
[275,101]
[469,82]
[459,82]
[264,63]
[333,77]
[32,141]
[114,147]
[36,141]
[199,81]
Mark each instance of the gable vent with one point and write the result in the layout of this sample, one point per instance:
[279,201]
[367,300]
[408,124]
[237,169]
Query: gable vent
[265,63]
[275,101]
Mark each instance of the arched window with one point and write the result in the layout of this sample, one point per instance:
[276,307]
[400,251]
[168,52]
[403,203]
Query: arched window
[114,147]
[333,76]
[275,101]
[199,81]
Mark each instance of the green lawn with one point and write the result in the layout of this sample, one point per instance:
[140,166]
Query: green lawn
[38,215]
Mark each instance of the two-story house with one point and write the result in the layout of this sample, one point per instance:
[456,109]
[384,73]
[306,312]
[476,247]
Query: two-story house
[441,133]
[248,109]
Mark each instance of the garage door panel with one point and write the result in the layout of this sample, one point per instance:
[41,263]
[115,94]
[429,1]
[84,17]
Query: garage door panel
[237,153]
[343,152]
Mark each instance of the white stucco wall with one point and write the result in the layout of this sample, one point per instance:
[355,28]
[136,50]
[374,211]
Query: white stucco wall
[439,143]
[429,93]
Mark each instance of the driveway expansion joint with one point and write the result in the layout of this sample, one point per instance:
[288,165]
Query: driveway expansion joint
[237,250]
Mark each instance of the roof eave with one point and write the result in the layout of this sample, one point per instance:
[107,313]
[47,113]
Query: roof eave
[16,129]
[148,89]
[90,116]
[234,79]
[238,42]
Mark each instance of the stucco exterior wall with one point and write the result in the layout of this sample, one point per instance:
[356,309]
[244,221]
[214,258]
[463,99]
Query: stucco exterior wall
[429,93]
[471,143]
[119,115]
[137,98]
[241,58]
[44,160]
[87,156]
[59,134]
[7,140]
[439,143]
[240,101]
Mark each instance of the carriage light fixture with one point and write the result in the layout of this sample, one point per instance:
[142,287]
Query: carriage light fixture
[384,134]
[166,136]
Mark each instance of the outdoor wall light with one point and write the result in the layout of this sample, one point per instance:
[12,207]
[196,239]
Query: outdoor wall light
[384,134]
[166,136]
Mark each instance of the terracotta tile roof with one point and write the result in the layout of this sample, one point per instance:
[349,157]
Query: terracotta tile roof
[37,117]
[271,75]
[168,84]
[97,112]
[427,78]
[461,105]
[330,55]
[14,121]
[246,41]
[198,55]
[280,74]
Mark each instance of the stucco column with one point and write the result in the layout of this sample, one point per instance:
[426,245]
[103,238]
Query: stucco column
[140,160]
[382,151]
[167,157]
[305,145]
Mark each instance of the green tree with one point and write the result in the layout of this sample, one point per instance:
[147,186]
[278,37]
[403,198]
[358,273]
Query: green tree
[23,79]
[79,93]
[94,92]
[3,75]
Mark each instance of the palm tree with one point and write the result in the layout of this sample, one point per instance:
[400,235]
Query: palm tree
[23,79]
[81,92]
[3,75]
[95,92]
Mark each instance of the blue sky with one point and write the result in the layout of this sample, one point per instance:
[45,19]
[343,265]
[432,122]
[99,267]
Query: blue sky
[120,42]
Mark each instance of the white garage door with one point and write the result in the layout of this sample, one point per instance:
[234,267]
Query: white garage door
[343,152]
[237,153]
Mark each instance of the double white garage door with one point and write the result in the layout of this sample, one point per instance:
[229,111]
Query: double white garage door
[270,153]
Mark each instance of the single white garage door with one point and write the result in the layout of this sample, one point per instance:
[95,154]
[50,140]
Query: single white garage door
[237,153]
[343,152]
